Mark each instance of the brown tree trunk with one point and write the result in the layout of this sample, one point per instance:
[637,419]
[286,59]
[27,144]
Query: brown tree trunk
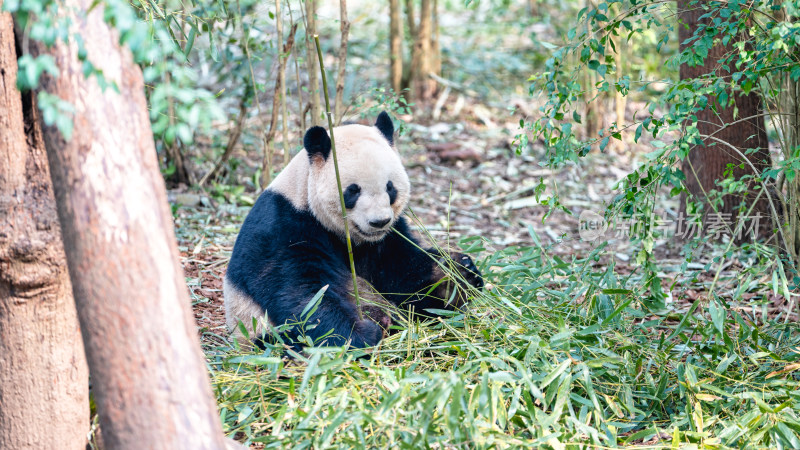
[423,60]
[707,164]
[148,373]
[408,74]
[311,61]
[412,21]
[790,119]
[396,45]
[436,51]
[44,380]
[284,60]
[345,29]
[595,101]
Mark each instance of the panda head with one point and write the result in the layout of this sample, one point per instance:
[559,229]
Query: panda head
[374,181]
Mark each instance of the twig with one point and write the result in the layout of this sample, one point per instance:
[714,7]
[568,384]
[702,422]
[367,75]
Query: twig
[453,85]
[233,139]
[273,123]
[338,180]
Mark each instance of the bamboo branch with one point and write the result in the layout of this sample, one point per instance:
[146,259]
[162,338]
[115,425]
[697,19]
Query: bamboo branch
[338,180]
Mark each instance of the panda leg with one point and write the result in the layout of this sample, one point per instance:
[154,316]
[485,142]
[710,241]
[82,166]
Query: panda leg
[336,321]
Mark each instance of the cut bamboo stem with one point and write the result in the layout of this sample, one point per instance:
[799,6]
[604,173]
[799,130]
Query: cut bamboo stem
[338,180]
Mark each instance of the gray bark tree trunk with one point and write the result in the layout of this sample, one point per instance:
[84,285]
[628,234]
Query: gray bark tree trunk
[44,381]
[396,45]
[148,373]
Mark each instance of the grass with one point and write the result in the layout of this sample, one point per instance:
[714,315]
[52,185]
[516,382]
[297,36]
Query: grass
[556,354]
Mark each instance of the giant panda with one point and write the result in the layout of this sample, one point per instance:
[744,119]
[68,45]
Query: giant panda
[292,243]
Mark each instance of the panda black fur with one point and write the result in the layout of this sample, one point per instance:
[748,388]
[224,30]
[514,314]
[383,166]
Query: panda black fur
[292,242]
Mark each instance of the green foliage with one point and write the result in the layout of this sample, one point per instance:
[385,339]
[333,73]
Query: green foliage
[56,112]
[178,106]
[557,353]
[30,69]
[384,99]
[765,41]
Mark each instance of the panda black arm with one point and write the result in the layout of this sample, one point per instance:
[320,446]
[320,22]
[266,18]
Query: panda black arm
[335,316]
[283,257]
[407,274]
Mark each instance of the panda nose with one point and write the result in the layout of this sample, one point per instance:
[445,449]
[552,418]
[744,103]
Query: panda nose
[379,223]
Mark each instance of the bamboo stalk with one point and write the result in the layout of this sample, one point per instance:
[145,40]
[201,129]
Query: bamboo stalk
[338,180]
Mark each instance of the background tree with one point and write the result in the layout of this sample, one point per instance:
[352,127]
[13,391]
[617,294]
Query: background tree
[148,374]
[312,66]
[395,45]
[344,26]
[420,82]
[44,384]
[423,37]
[728,130]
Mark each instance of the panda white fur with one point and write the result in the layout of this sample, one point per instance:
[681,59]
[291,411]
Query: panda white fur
[292,242]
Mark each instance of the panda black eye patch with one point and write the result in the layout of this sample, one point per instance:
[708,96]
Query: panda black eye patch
[351,195]
[392,191]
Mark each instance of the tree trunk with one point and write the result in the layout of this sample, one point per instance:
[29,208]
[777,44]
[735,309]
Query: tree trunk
[620,101]
[148,373]
[436,51]
[707,163]
[345,29]
[44,381]
[595,101]
[423,87]
[405,82]
[284,60]
[311,61]
[790,124]
[411,16]
[396,45]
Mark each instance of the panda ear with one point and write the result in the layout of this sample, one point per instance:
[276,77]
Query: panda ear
[317,142]
[385,126]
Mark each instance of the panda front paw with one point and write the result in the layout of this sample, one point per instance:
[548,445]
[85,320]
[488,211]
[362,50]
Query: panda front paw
[469,271]
[366,333]
[377,314]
